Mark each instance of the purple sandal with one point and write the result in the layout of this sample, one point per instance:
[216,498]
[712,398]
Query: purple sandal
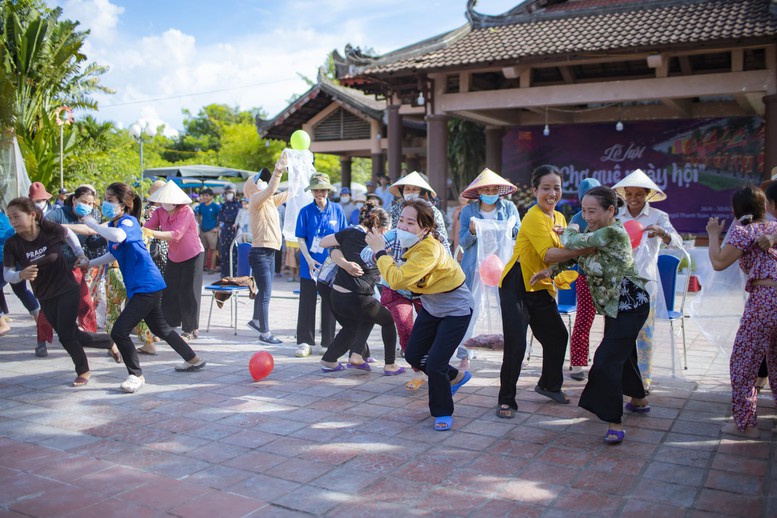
[639,409]
[339,367]
[619,435]
[361,366]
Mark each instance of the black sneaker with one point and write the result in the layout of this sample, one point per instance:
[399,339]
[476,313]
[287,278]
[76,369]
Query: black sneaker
[270,339]
[40,350]
[255,327]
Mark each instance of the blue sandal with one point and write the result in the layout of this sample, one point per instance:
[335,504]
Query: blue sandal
[442,424]
[455,388]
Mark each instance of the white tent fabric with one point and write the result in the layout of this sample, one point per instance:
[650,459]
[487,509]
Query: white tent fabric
[14,180]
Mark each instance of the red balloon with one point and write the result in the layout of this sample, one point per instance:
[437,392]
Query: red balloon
[491,270]
[261,365]
[635,230]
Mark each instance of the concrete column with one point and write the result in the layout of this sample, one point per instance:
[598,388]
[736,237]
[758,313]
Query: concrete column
[345,171]
[770,136]
[395,142]
[437,155]
[494,137]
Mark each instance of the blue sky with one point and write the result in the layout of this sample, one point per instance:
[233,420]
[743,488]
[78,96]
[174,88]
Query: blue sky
[239,52]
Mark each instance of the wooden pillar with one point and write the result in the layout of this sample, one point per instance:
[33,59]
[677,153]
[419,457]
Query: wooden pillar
[770,136]
[494,137]
[345,171]
[437,155]
[413,164]
[395,142]
[378,166]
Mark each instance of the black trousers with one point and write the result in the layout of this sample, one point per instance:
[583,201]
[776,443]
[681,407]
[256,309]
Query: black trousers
[357,315]
[521,309]
[181,298]
[61,312]
[429,349]
[326,298]
[306,316]
[614,371]
[147,307]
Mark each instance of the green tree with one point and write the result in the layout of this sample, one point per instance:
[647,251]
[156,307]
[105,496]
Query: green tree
[44,63]
[466,151]
[242,148]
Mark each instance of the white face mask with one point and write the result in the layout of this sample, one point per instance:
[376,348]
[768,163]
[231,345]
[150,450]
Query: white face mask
[229,196]
[169,207]
[345,198]
[410,196]
[41,204]
[407,239]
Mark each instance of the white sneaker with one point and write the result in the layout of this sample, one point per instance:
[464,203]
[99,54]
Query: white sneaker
[132,384]
[303,350]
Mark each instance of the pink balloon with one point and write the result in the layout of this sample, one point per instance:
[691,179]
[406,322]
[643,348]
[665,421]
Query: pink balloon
[261,365]
[635,230]
[491,270]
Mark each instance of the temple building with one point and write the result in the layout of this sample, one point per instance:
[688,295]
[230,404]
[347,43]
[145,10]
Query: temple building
[682,89]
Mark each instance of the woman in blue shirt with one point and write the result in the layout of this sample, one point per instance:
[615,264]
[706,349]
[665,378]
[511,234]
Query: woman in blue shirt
[487,188]
[142,280]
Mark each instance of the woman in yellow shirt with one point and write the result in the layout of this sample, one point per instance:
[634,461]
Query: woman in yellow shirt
[537,246]
[431,272]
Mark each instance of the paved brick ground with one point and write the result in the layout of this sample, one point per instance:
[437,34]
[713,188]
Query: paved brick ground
[215,444]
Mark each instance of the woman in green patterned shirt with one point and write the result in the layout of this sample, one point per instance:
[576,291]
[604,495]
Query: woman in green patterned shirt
[619,294]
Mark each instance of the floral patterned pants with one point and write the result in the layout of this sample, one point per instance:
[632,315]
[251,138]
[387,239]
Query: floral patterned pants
[756,337]
[584,319]
[645,348]
[401,309]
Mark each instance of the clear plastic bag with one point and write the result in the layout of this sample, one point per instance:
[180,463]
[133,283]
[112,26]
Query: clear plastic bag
[494,238]
[299,165]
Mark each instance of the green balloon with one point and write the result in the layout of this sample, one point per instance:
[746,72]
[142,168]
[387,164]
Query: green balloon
[300,140]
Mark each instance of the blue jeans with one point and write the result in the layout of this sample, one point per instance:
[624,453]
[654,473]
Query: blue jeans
[262,261]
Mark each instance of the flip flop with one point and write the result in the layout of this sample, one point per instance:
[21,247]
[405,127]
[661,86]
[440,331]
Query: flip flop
[361,366]
[370,359]
[116,356]
[443,424]
[414,384]
[394,373]
[80,381]
[639,409]
[455,388]
[619,435]
[505,412]
[140,350]
[558,397]
[339,367]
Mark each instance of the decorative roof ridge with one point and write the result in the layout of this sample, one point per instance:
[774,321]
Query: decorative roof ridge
[524,14]
[354,60]
[262,125]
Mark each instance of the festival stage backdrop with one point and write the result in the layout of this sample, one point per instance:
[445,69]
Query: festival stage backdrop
[697,163]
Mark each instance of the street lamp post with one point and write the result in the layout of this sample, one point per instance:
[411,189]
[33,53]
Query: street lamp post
[142,132]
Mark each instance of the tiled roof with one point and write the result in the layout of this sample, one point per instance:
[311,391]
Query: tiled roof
[590,26]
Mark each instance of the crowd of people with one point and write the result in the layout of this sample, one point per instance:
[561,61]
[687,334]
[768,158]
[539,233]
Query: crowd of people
[384,258]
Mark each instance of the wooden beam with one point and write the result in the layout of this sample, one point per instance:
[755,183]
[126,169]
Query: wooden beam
[567,74]
[751,103]
[680,106]
[737,60]
[465,82]
[525,80]
[685,65]
[756,81]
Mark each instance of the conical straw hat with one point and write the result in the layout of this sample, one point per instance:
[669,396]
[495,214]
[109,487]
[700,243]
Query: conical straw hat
[639,179]
[488,178]
[170,193]
[414,179]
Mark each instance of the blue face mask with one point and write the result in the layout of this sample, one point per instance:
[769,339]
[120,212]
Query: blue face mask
[81,209]
[407,239]
[109,209]
[489,199]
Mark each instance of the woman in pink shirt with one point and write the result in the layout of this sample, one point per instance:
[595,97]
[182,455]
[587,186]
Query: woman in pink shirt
[185,255]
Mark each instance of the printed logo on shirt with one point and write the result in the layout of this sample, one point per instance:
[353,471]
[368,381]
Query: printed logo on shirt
[127,223]
[36,254]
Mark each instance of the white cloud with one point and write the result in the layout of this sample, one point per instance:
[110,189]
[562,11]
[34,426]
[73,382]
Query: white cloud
[99,16]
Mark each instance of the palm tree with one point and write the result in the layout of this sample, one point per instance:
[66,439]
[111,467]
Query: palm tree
[44,63]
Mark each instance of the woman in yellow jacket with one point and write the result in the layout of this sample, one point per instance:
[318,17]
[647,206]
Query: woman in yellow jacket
[537,246]
[430,271]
